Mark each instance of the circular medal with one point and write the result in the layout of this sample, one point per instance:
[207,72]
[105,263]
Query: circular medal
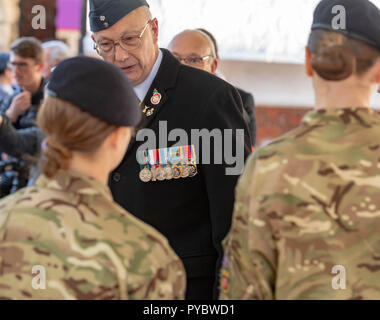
[177,172]
[160,174]
[145,175]
[185,171]
[168,173]
[174,157]
[192,170]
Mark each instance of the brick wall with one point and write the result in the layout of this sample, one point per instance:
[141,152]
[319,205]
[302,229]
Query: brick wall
[272,121]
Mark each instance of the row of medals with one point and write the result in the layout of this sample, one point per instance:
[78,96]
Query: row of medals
[168,173]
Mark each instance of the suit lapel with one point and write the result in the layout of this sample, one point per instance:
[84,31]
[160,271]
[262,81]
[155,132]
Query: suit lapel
[156,97]
[153,103]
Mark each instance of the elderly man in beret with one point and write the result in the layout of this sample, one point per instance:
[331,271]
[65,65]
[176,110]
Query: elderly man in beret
[170,185]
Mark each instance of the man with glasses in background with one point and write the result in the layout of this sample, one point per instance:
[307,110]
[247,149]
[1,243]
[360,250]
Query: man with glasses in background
[195,49]
[198,48]
[192,210]
[18,133]
[26,62]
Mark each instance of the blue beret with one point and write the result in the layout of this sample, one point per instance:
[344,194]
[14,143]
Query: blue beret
[105,13]
[4,59]
[97,87]
[362,19]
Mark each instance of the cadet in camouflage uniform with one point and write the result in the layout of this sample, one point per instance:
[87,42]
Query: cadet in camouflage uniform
[65,237]
[307,214]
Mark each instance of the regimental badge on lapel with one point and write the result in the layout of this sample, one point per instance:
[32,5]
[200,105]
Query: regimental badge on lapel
[156,98]
[149,112]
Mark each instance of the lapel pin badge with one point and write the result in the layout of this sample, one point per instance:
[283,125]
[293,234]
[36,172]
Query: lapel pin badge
[156,98]
[150,112]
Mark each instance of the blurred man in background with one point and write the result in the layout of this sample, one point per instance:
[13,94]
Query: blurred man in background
[199,49]
[26,62]
[19,135]
[54,52]
[6,77]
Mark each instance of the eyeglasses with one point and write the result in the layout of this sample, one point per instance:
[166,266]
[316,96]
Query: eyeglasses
[128,42]
[194,61]
[21,65]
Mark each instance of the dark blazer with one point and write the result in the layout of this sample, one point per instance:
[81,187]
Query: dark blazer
[249,106]
[193,213]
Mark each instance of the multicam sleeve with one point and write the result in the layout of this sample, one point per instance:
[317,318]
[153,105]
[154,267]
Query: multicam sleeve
[169,282]
[249,265]
[158,276]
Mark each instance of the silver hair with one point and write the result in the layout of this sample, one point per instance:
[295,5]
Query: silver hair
[59,50]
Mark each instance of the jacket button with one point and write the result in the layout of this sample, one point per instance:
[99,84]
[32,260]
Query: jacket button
[116,177]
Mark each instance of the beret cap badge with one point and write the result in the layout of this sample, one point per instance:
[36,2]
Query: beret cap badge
[112,11]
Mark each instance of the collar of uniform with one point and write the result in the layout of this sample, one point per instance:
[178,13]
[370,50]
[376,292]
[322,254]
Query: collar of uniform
[359,115]
[142,89]
[165,79]
[74,182]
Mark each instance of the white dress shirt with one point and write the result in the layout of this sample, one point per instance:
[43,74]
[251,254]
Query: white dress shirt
[142,89]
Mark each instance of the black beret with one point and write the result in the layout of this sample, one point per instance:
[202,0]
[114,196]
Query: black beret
[362,19]
[105,13]
[4,59]
[97,87]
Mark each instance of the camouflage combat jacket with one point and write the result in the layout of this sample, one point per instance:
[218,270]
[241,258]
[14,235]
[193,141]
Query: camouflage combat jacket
[65,238]
[307,214]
